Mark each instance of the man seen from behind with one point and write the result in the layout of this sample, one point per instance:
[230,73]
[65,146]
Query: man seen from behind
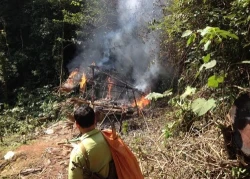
[92,155]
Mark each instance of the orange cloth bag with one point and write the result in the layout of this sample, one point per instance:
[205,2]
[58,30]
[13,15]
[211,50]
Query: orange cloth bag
[126,164]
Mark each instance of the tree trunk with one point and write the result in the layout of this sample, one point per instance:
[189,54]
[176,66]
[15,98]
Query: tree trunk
[4,78]
[3,62]
[62,56]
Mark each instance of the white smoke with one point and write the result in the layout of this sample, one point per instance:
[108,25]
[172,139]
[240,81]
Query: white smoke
[129,46]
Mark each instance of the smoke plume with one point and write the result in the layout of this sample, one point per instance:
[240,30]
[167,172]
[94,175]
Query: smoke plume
[129,46]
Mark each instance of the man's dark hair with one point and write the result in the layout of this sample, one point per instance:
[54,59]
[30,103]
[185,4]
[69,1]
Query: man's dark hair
[84,116]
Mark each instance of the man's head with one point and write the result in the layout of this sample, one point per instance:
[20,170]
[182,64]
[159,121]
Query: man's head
[84,116]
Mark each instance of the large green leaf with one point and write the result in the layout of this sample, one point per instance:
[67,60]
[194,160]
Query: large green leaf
[201,106]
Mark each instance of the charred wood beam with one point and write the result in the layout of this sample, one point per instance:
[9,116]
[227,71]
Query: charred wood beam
[30,170]
[100,103]
[123,82]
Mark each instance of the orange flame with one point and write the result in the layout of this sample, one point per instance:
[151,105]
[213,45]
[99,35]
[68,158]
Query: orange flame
[73,80]
[110,85]
[70,81]
[73,73]
[83,82]
[141,103]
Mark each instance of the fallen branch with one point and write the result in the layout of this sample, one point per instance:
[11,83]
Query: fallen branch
[4,164]
[104,107]
[43,119]
[30,170]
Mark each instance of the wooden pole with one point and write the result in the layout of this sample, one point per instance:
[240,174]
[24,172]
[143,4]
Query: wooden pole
[93,91]
[136,102]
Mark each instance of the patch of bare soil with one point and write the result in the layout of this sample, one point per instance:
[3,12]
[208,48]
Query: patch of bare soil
[46,157]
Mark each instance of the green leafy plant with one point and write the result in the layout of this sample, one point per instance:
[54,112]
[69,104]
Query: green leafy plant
[215,80]
[238,172]
[125,127]
[169,129]
[188,92]
[31,106]
[209,35]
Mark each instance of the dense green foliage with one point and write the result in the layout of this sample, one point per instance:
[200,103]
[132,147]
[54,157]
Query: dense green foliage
[209,42]
[37,40]
[218,29]
[32,109]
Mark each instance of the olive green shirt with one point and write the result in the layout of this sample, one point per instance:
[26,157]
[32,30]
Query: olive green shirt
[98,153]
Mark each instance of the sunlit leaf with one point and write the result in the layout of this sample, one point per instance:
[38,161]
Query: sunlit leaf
[186,33]
[226,34]
[189,91]
[155,96]
[201,106]
[212,82]
[168,92]
[245,62]
[208,65]
[223,35]
[191,39]
[205,31]
[206,58]
[207,44]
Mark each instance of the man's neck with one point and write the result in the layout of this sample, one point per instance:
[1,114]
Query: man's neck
[85,130]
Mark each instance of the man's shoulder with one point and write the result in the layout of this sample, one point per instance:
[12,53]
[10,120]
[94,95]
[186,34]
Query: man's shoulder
[76,151]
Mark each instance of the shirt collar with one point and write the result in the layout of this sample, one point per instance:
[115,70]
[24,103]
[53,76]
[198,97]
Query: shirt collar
[90,133]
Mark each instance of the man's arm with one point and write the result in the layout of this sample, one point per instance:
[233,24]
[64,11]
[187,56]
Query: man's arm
[76,165]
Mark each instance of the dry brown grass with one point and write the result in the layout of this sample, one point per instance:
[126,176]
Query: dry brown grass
[195,154]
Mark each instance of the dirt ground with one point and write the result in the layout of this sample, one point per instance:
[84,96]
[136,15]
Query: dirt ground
[45,157]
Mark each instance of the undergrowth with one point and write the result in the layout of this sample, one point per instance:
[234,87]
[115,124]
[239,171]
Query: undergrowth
[33,109]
